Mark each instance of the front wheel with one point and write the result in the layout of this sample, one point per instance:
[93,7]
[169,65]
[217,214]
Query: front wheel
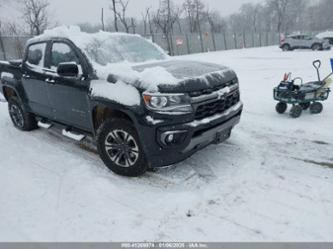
[296,111]
[21,119]
[120,148]
[316,108]
[316,47]
[281,107]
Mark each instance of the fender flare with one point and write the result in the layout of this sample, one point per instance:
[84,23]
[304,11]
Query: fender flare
[130,112]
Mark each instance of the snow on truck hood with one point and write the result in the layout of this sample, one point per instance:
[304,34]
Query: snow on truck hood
[137,72]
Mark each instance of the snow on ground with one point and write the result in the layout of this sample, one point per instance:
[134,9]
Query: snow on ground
[272,181]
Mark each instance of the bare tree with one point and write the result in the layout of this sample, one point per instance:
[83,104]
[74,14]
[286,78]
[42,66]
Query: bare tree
[133,25]
[119,9]
[279,8]
[2,46]
[199,15]
[150,24]
[114,9]
[249,13]
[35,14]
[195,11]
[145,21]
[15,31]
[217,25]
[165,18]
[189,9]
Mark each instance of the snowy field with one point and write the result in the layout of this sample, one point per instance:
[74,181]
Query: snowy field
[272,181]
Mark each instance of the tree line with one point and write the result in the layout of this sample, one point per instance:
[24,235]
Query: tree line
[183,17]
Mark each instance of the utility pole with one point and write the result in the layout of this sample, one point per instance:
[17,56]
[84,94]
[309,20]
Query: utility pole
[102,19]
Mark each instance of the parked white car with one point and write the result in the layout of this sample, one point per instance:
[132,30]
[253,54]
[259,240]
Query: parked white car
[326,36]
[304,42]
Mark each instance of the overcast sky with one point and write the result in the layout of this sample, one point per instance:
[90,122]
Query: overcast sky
[78,11]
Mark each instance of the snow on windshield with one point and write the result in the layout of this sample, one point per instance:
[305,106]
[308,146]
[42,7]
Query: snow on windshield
[122,48]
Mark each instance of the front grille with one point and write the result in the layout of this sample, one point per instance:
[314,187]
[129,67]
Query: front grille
[218,106]
[213,89]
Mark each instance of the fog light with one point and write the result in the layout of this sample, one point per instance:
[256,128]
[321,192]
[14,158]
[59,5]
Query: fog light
[173,137]
[169,138]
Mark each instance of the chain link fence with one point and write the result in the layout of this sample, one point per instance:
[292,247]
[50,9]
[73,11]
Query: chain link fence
[193,43]
[13,47]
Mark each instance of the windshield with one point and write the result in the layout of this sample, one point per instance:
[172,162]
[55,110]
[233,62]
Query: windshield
[122,48]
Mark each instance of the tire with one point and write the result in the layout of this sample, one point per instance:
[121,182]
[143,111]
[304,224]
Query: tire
[281,107]
[317,47]
[21,119]
[296,111]
[305,106]
[286,47]
[316,108]
[120,149]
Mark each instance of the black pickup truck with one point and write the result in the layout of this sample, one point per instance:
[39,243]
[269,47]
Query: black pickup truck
[71,81]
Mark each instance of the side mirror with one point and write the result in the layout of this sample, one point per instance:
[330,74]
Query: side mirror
[68,69]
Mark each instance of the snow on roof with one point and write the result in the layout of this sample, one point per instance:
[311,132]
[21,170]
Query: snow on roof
[75,34]
[326,34]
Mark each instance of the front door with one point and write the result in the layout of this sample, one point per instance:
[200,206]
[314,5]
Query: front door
[68,96]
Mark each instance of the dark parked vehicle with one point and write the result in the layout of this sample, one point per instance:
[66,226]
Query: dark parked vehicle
[58,84]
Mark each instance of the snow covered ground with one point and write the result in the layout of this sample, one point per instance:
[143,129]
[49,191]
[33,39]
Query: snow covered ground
[272,181]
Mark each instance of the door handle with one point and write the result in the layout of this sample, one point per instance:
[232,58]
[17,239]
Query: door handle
[26,76]
[50,81]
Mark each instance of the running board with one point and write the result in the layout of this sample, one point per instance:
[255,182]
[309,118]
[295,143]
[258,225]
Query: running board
[73,135]
[44,125]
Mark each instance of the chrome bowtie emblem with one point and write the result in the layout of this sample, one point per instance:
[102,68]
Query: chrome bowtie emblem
[221,93]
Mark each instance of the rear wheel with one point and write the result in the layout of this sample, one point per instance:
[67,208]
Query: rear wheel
[286,47]
[296,111]
[281,107]
[21,119]
[120,148]
[316,47]
[316,108]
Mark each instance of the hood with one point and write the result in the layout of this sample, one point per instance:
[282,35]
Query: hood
[191,75]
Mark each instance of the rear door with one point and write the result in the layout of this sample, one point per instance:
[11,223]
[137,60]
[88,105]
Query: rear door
[296,41]
[33,79]
[308,41]
[68,95]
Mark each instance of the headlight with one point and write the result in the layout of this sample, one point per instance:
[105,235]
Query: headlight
[173,103]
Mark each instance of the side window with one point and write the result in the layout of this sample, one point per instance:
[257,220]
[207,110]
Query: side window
[36,55]
[61,52]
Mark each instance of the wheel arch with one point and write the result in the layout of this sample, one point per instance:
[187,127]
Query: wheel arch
[286,45]
[9,91]
[101,112]
[317,43]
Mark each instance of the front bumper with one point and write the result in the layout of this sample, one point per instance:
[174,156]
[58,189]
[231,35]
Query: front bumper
[199,134]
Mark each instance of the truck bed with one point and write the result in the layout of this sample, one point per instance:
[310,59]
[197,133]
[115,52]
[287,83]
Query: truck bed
[9,71]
